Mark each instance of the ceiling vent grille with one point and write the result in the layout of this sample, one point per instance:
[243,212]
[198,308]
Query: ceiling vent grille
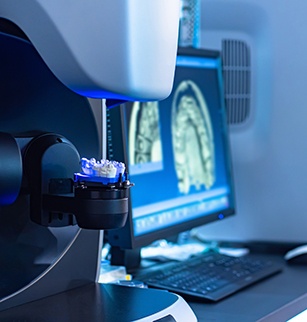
[236,61]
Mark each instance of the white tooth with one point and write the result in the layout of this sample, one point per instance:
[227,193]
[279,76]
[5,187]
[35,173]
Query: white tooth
[121,168]
[83,161]
[86,167]
[111,171]
[95,170]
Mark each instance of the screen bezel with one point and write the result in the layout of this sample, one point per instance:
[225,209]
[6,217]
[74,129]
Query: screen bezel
[124,237]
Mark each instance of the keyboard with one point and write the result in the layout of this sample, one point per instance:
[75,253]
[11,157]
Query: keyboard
[211,276]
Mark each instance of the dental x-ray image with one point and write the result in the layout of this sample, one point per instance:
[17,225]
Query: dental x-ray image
[193,142]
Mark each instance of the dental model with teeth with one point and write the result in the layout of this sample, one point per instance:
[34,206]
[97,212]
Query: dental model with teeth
[103,168]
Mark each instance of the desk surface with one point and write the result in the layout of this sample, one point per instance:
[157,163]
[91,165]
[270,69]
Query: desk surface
[93,303]
[258,300]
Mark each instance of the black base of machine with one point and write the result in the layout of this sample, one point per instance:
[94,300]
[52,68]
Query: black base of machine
[96,302]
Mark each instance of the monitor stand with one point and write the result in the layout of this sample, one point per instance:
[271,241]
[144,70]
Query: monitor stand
[130,258]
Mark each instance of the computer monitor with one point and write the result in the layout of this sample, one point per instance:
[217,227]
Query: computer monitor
[177,155]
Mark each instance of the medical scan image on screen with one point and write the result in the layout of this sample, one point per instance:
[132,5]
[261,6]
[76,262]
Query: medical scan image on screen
[145,144]
[177,155]
[193,143]
[192,138]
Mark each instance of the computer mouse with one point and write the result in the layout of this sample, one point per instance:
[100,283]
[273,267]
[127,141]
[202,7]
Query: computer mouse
[297,255]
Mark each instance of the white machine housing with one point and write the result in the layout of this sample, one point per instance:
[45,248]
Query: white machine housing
[103,49]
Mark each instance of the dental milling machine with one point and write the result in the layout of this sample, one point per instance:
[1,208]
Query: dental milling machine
[63,62]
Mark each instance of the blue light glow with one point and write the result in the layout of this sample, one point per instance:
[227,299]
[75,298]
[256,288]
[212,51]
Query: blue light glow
[197,62]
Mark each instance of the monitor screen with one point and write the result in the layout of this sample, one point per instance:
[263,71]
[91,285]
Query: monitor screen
[177,154]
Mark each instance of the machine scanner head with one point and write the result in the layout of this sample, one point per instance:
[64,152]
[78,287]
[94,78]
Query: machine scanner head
[123,50]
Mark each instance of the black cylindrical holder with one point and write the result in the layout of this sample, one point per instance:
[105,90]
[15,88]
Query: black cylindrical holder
[103,207]
[11,169]
[95,206]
